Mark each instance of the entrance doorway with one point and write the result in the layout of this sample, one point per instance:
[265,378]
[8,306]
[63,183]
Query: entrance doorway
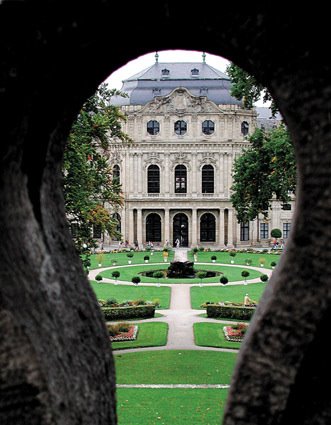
[180,229]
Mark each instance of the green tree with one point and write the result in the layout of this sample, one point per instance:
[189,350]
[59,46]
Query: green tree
[246,88]
[87,176]
[265,169]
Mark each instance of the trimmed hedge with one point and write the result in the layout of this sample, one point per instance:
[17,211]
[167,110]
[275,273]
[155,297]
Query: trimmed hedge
[230,312]
[134,312]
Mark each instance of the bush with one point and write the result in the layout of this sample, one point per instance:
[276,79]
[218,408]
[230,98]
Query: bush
[213,257]
[98,277]
[135,280]
[116,274]
[262,261]
[111,302]
[232,253]
[195,250]
[146,258]
[116,313]
[248,262]
[244,273]
[156,302]
[230,312]
[158,274]
[276,233]
[224,280]
[273,264]
[264,277]
[129,254]
[201,274]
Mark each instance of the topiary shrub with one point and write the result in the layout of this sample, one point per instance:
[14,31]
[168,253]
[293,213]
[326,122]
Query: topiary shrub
[262,261]
[129,254]
[135,280]
[146,258]
[245,273]
[232,253]
[213,258]
[224,280]
[98,277]
[276,233]
[273,264]
[264,278]
[116,274]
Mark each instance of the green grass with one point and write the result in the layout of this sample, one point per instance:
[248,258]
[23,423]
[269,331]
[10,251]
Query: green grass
[232,273]
[239,259]
[105,291]
[144,406]
[212,335]
[106,259]
[175,367]
[149,335]
[235,293]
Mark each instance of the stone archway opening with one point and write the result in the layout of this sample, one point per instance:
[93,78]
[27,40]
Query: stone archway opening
[180,229]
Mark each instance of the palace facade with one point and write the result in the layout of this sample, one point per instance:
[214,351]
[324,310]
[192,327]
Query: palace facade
[176,179]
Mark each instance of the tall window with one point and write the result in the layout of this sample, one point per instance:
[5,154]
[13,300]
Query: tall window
[180,179]
[180,127]
[244,128]
[153,127]
[153,179]
[117,218]
[208,127]
[264,230]
[207,179]
[207,228]
[244,231]
[153,228]
[116,174]
[286,230]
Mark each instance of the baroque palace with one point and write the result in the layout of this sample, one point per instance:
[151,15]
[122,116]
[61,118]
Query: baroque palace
[176,176]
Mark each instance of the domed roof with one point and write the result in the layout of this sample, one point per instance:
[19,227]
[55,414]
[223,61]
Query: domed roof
[162,78]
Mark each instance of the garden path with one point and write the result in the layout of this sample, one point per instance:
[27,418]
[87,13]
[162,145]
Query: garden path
[180,316]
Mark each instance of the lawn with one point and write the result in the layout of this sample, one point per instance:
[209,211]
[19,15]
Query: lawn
[175,367]
[106,291]
[235,293]
[212,335]
[144,406]
[149,335]
[232,273]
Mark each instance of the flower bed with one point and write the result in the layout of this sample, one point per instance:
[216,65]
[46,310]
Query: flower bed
[235,333]
[130,335]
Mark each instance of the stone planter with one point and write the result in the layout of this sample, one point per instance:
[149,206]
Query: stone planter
[129,261]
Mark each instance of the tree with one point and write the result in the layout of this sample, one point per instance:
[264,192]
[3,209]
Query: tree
[265,169]
[87,176]
[246,88]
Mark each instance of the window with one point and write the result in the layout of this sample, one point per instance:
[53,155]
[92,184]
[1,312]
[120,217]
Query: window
[180,179]
[165,72]
[153,228]
[153,127]
[117,218]
[194,72]
[286,230]
[96,231]
[244,128]
[207,179]
[264,230]
[116,174]
[207,228]
[286,207]
[244,231]
[208,127]
[153,179]
[180,127]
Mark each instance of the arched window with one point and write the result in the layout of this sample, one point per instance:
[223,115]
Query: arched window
[207,179]
[153,179]
[153,228]
[208,127]
[153,127]
[180,179]
[116,174]
[244,128]
[207,228]
[180,127]
[118,226]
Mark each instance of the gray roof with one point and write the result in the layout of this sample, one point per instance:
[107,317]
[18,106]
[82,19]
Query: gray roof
[265,119]
[160,79]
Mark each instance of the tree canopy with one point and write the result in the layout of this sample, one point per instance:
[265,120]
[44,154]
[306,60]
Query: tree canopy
[265,169]
[87,175]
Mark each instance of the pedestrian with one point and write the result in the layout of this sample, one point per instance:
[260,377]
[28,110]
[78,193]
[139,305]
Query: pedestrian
[177,243]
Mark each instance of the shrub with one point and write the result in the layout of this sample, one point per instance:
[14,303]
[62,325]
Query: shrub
[98,277]
[273,264]
[156,302]
[224,280]
[135,280]
[245,273]
[116,274]
[248,262]
[146,258]
[201,274]
[264,277]
[232,253]
[213,257]
[120,313]
[201,248]
[140,301]
[195,250]
[262,261]
[158,274]
[111,302]
[230,312]
[276,233]
[129,254]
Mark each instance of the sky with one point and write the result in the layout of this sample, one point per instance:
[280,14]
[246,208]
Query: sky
[133,67]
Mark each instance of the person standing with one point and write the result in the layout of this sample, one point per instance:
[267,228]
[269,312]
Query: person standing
[177,243]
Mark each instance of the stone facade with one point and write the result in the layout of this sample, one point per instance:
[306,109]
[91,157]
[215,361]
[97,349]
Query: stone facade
[176,175]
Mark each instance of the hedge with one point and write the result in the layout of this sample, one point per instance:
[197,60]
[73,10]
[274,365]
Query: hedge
[132,312]
[230,312]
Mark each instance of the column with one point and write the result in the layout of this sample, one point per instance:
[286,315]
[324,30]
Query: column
[139,174]
[135,174]
[167,180]
[167,226]
[221,228]
[139,228]
[221,176]
[131,175]
[230,228]
[194,231]
[131,226]
[194,173]
[123,224]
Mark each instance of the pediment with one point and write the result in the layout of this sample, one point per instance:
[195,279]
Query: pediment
[180,101]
